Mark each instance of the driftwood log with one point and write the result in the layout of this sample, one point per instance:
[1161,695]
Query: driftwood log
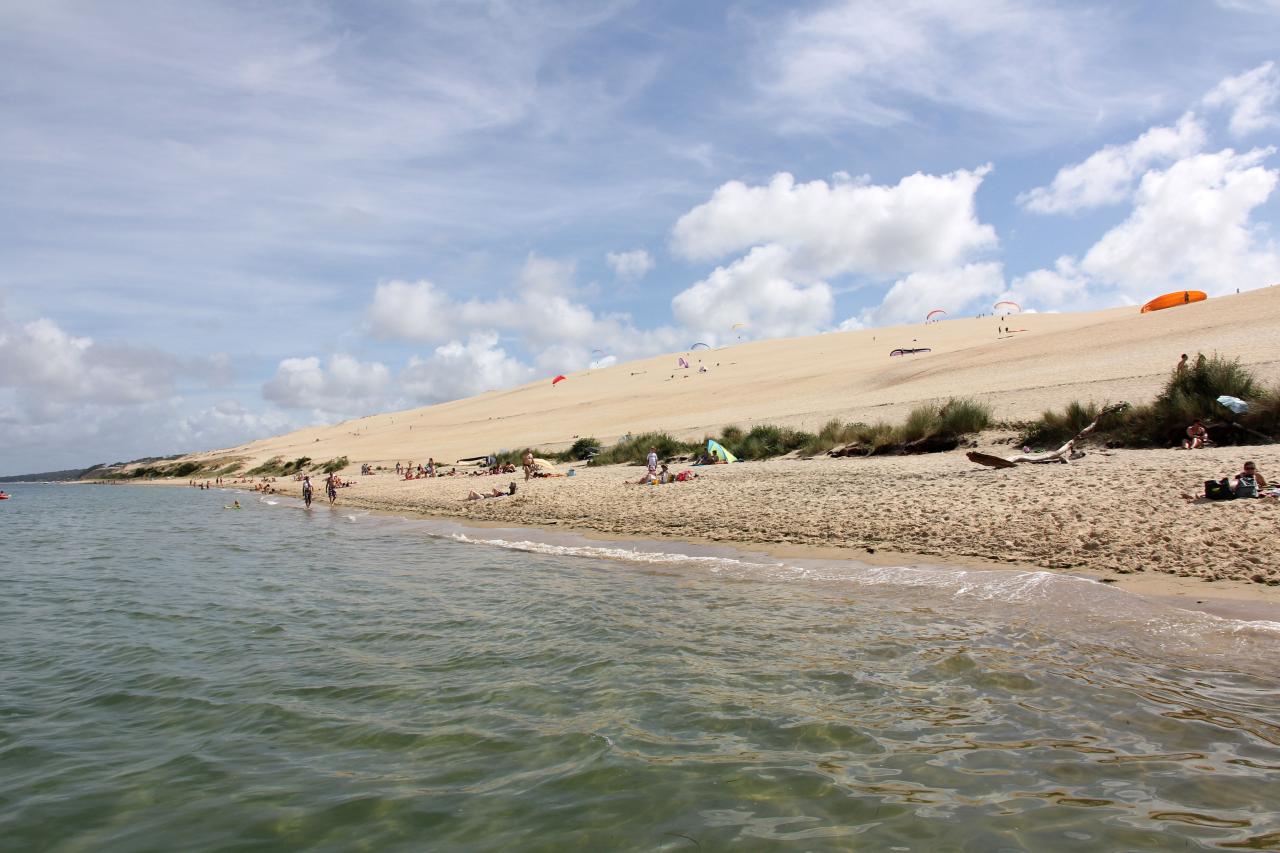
[1065,453]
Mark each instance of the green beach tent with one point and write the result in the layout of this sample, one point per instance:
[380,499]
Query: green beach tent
[717,450]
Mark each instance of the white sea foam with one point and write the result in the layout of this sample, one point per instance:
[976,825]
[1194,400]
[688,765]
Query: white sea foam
[1090,603]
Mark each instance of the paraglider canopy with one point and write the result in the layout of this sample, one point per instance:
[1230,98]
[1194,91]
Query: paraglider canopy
[700,344]
[935,312]
[1008,306]
[1169,300]
[559,378]
[736,326]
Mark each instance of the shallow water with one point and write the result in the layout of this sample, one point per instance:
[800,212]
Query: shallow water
[179,676]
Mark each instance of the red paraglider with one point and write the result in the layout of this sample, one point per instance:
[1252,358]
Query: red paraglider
[935,312]
[559,378]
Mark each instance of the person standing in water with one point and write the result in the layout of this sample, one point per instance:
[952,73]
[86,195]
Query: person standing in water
[331,489]
[306,491]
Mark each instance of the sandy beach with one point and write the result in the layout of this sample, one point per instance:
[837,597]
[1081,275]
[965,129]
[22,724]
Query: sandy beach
[1115,513]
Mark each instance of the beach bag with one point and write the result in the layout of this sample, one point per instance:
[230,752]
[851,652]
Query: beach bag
[1246,487]
[1219,490]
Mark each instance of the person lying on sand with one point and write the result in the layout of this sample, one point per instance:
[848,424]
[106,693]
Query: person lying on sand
[493,493]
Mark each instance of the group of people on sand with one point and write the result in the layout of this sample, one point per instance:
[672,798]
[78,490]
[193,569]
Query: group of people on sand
[659,474]
[422,472]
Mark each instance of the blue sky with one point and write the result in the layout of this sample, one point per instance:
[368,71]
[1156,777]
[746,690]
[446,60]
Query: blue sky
[223,220]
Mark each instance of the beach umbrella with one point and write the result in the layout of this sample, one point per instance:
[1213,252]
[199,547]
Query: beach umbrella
[719,451]
[1235,404]
[558,379]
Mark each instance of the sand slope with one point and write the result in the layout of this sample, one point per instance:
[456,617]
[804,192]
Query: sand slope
[1118,354]
[1105,355]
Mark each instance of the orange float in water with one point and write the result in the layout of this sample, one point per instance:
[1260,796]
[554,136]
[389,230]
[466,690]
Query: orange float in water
[1169,300]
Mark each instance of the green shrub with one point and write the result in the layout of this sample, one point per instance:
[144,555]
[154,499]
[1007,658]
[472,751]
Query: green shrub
[582,450]
[1055,429]
[333,466]
[636,449]
[959,416]
[765,441]
[270,467]
[1187,395]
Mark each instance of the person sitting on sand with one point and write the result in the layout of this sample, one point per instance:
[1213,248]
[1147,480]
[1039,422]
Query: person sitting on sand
[1197,436]
[664,475]
[1249,481]
[495,492]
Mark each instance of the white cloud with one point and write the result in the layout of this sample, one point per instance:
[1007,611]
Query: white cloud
[1107,176]
[421,312]
[542,315]
[1191,228]
[48,367]
[755,290]
[460,370]
[228,423]
[877,63]
[1250,97]
[1256,6]
[630,266]
[923,221]
[344,386]
[953,290]
[1063,287]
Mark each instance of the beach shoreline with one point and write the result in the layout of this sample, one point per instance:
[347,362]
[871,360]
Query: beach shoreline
[1115,516]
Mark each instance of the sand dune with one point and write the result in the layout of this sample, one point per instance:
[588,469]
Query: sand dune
[1105,355]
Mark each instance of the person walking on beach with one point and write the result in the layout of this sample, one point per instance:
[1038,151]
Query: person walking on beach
[652,462]
[527,461]
[306,491]
[331,489]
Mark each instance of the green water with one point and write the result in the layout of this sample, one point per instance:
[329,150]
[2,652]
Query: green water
[176,676]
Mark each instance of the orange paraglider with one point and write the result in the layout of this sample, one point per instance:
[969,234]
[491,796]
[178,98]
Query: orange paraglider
[1169,300]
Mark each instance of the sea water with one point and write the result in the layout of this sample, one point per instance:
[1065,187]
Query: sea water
[179,676]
